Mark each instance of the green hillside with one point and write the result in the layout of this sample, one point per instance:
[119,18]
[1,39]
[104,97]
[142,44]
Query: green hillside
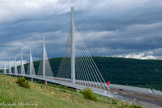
[143,73]
[49,96]
[135,72]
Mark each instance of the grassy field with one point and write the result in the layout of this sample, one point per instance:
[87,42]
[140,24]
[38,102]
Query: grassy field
[49,96]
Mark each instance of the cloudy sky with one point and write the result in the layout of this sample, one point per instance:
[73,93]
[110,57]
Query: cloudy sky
[122,28]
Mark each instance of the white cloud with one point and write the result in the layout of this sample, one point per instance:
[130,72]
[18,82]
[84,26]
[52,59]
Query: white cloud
[141,55]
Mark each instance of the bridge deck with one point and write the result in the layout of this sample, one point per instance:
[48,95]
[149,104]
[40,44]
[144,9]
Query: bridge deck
[67,82]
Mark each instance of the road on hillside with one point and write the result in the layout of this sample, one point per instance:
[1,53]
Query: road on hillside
[147,98]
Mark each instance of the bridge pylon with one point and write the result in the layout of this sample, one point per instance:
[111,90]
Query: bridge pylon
[43,53]
[31,70]
[22,69]
[44,66]
[4,71]
[72,47]
[15,68]
[10,69]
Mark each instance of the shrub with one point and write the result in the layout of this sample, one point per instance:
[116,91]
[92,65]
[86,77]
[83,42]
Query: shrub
[135,106]
[114,102]
[125,105]
[88,94]
[50,84]
[23,82]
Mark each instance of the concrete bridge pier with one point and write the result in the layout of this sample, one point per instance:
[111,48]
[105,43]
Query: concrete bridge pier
[45,82]
[77,90]
[31,79]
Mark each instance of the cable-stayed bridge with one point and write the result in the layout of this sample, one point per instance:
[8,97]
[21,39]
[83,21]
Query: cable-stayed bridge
[77,68]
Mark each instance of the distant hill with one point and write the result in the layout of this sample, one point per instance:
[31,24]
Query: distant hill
[135,72]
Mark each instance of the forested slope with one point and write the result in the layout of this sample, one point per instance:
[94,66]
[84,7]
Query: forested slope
[144,73]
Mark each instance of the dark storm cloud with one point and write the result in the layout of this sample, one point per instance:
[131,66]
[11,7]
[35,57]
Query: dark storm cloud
[120,28]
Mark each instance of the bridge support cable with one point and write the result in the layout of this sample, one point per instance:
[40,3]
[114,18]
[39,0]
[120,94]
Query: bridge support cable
[86,60]
[92,79]
[84,74]
[92,67]
[79,62]
[87,71]
[44,66]
[81,68]
[31,70]
[64,70]
[95,79]
[98,72]
[81,72]
[78,76]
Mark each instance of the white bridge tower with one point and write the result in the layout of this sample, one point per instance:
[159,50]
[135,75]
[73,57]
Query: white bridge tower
[72,47]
